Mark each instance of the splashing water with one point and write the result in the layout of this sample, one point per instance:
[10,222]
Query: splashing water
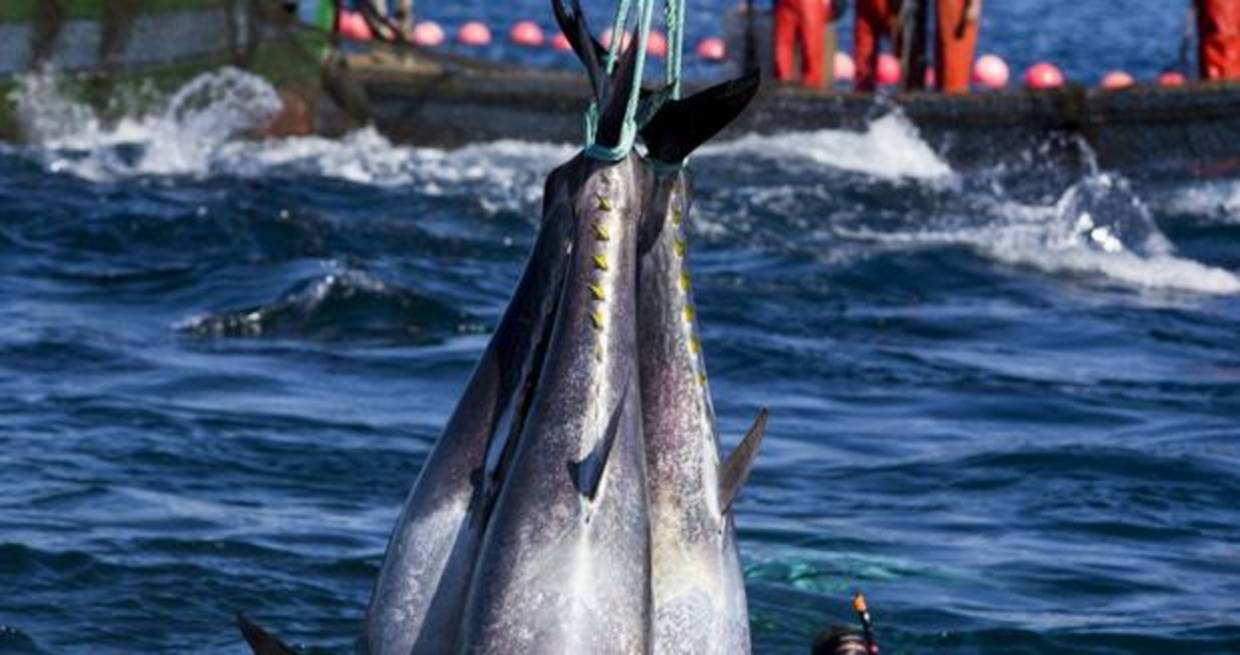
[196,121]
[889,148]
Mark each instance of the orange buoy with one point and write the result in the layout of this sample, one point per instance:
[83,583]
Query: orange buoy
[991,72]
[527,34]
[845,67]
[888,69]
[428,33]
[712,49]
[474,33]
[1117,80]
[1043,76]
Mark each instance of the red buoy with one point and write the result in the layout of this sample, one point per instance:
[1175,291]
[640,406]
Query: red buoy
[428,34]
[712,49]
[991,72]
[351,25]
[845,68]
[605,39]
[888,69]
[527,34]
[1044,76]
[656,44]
[560,43]
[1171,78]
[474,33]
[1117,80]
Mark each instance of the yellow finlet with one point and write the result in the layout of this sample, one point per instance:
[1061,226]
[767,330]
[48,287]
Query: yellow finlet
[600,262]
[695,346]
[685,281]
[598,292]
[597,318]
[675,217]
[604,204]
[681,248]
[601,232]
[690,313]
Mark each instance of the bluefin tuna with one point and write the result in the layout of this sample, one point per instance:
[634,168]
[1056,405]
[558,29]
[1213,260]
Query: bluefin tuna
[698,586]
[565,563]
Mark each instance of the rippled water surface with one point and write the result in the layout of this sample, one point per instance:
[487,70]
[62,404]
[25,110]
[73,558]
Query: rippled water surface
[1004,402]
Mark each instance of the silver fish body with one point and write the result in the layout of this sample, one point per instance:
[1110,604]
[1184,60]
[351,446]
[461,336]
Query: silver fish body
[424,579]
[565,564]
[698,585]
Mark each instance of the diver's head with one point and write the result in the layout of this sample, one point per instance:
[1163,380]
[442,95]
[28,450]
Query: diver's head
[843,641]
[840,641]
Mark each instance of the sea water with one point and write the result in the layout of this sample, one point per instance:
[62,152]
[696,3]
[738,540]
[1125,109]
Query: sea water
[1004,402]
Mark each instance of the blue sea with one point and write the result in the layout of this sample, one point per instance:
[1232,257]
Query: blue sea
[1005,403]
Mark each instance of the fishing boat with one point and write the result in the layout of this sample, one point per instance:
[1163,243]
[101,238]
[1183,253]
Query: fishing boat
[434,99]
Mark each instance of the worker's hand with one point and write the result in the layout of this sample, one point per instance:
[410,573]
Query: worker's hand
[973,11]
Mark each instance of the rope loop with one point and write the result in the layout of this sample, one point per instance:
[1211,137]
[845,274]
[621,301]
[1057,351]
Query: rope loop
[674,16]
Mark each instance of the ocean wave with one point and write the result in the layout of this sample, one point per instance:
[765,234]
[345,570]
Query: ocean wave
[1218,200]
[345,305]
[889,148]
[1098,229]
[205,129]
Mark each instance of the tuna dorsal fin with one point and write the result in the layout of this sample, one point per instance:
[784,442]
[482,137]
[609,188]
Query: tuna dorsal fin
[681,126]
[588,473]
[577,31]
[734,472]
[260,642]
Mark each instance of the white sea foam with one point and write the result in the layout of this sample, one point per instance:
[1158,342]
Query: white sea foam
[202,129]
[889,148]
[1220,200]
[1098,229]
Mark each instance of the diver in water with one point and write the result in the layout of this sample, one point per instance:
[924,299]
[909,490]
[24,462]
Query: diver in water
[844,641]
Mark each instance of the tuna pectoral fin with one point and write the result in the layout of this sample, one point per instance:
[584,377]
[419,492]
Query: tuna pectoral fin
[680,126]
[735,471]
[260,642]
[588,473]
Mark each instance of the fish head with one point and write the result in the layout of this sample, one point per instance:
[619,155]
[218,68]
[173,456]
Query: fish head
[586,184]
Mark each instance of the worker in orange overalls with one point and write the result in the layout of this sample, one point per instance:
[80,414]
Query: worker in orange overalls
[955,43]
[1218,32]
[875,19]
[800,22]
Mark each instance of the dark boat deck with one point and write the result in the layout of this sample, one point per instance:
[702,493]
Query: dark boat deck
[445,101]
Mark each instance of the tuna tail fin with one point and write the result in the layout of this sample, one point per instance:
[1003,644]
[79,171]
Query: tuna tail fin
[572,23]
[734,472]
[681,126]
[588,50]
[260,642]
[615,106]
[588,473]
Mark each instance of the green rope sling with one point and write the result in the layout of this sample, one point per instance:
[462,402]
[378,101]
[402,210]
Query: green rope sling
[675,18]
